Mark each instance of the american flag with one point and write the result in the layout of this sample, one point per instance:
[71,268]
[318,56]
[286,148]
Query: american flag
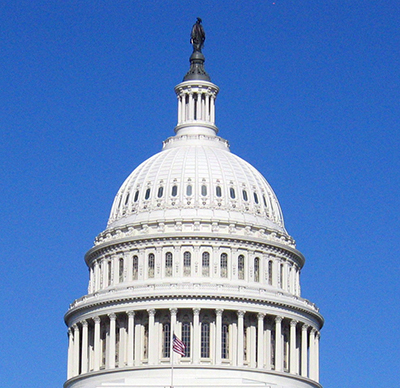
[178,346]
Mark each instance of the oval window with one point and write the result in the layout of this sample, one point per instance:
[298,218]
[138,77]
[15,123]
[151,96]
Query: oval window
[174,190]
[256,197]
[245,195]
[265,201]
[189,190]
[160,192]
[204,190]
[147,195]
[218,191]
[232,193]
[136,196]
[127,199]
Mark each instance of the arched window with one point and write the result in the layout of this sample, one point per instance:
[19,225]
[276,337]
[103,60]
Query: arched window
[166,350]
[121,270]
[205,339]
[147,195]
[203,190]
[186,336]
[245,197]
[187,262]
[241,267]
[256,269]
[270,272]
[189,190]
[280,276]
[218,191]
[109,274]
[168,264]
[224,265]
[255,197]
[174,191]
[151,265]
[205,264]
[136,196]
[232,193]
[225,341]
[135,267]
[160,192]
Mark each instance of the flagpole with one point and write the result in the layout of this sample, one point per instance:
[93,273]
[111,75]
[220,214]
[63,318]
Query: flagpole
[171,354]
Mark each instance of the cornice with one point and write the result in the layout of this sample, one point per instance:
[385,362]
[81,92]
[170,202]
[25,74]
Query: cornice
[141,242]
[195,294]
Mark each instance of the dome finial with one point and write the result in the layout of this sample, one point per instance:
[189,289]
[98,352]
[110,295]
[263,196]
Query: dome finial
[197,38]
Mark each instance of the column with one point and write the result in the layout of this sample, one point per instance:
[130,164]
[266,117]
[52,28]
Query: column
[317,337]
[207,115]
[152,345]
[312,354]
[268,341]
[85,355]
[196,335]
[278,344]
[304,341]
[173,324]
[212,114]
[191,106]
[293,359]
[260,340]
[179,109]
[131,336]
[112,340]
[218,329]
[240,337]
[76,349]
[198,112]
[96,344]
[96,277]
[70,353]
[138,340]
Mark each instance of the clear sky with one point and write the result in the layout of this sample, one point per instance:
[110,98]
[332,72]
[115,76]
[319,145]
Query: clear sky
[309,96]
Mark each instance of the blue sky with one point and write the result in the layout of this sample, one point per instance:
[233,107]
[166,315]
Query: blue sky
[309,96]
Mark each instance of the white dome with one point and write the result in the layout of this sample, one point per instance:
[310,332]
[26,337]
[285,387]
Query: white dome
[196,177]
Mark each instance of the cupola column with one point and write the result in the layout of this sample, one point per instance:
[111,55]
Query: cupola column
[268,341]
[312,354]
[70,353]
[317,337]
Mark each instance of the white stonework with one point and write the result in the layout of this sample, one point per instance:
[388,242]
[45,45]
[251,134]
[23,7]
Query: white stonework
[195,244]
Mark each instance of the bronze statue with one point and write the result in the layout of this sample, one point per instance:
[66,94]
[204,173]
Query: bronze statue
[198,36]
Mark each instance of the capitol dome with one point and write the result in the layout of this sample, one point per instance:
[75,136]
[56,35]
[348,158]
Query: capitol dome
[195,281]
[196,177]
